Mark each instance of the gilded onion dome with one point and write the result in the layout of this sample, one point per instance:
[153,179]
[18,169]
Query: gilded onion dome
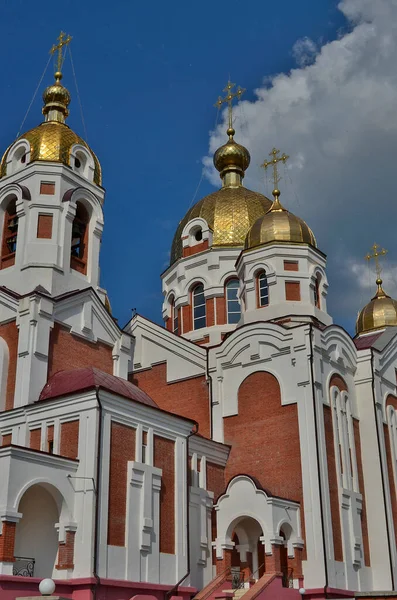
[53,140]
[279,225]
[230,211]
[381,312]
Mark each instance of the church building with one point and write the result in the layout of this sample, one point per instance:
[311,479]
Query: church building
[248,447]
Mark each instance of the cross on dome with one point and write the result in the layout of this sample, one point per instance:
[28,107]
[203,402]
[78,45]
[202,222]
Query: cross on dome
[273,163]
[63,40]
[376,253]
[228,99]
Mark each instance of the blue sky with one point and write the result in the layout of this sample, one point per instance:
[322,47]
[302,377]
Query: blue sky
[148,75]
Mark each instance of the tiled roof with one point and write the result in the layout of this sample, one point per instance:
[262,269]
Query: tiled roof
[64,383]
[366,341]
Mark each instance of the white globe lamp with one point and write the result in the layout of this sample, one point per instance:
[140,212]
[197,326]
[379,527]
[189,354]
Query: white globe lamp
[46,587]
[302,591]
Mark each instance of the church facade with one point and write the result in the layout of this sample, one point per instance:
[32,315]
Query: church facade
[248,447]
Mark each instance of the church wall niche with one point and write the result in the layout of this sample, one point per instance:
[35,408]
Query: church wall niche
[122,450]
[164,459]
[391,404]
[364,523]
[69,442]
[9,333]
[333,484]
[187,398]
[275,463]
[67,351]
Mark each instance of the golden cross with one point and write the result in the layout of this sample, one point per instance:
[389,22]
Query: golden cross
[229,99]
[273,163]
[377,252]
[62,41]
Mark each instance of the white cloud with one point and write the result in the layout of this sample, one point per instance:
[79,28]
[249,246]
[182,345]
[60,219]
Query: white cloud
[304,51]
[337,119]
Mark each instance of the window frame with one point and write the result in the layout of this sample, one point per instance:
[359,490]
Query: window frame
[232,280]
[259,289]
[194,295]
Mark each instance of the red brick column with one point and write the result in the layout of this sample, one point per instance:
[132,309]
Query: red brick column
[7,541]
[224,563]
[66,551]
[296,563]
[273,560]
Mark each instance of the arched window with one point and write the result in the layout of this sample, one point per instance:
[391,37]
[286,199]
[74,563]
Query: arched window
[174,316]
[233,307]
[199,316]
[317,291]
[79,247]
[262,289]
[344,439]
[10,235]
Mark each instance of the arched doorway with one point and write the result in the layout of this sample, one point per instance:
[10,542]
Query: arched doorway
[36,537]
[247,555]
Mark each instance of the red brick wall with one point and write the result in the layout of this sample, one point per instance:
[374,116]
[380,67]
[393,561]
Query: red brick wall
[6,439]
[220,310]
[7,542]
[66,552]
[69,444]
[71,352]
[47,188]
[164,458]
[364,524]
[391,477]
[9,333]
[44,227]
[190,250]
[291,265]
[210,312]
[35,439]
[337,381]
[186,318]
[122,450]
[262,417]
[292,290]
[333,483]
[188,398]
[215,479]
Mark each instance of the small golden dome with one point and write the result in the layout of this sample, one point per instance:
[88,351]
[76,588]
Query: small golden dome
[279,225]
[52,141]
[381,312]
[229,212]
[231,156]
[56,97]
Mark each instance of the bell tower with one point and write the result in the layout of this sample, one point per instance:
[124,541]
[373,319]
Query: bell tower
[51,199]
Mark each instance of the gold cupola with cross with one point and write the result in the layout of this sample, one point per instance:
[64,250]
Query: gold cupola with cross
[233,209]
[52,140]
[278,224]
[381,311]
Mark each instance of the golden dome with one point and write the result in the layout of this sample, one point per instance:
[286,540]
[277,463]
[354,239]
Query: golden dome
[229,212]
[56,97]
[279,225]
[52,141]
[379,313]
[231,156]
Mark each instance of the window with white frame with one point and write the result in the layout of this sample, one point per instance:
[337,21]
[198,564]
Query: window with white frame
[263,289]
[232,304]
[345,451]
[199,312]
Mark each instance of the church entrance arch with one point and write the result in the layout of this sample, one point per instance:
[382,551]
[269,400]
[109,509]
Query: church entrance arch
[247,554]
[36,538]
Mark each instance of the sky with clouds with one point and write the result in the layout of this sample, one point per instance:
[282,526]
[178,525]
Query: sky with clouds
[335,115]
[321,82]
